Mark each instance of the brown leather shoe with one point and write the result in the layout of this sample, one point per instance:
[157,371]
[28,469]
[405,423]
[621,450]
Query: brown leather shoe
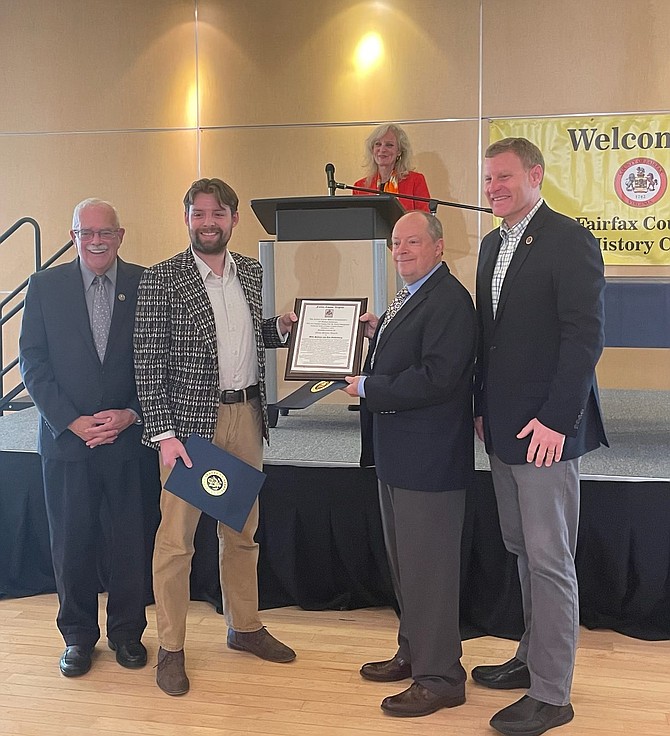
[170,672]
[390,670]
[419,701]
[261,643]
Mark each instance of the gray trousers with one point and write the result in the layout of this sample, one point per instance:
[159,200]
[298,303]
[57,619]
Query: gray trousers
[539,518]
[422,532]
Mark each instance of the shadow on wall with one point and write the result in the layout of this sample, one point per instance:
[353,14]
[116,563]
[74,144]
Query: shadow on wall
[460,247]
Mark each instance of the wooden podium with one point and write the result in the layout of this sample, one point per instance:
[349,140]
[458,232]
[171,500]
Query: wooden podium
[324,247]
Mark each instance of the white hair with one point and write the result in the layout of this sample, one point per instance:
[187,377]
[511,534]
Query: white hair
[93,202]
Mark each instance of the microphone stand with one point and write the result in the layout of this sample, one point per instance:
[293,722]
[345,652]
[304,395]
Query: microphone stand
[432,202]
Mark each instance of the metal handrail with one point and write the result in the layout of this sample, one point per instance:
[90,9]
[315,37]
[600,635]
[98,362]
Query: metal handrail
[6,399]
[56,255]
[38,237]
[9,366]
[24,283]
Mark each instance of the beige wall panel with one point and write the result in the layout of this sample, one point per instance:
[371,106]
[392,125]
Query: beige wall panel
[637,271]
[144,174]
[287,162]
[579,57]
[97,65]
[291,61]
[447,154]
[636,368]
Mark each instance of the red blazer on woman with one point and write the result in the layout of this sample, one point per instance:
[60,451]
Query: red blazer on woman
[414,183]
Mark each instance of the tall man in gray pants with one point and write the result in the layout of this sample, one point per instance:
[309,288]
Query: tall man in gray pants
[540,307]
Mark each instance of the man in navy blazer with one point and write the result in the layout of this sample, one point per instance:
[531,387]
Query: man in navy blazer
[416,422]
[90,436]
[540,307]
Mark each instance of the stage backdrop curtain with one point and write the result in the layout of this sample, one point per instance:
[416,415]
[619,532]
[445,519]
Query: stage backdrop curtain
[322,548]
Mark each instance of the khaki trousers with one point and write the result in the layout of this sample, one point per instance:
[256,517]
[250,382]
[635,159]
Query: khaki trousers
[239,431]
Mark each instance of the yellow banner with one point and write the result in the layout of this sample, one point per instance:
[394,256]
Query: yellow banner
[609,173]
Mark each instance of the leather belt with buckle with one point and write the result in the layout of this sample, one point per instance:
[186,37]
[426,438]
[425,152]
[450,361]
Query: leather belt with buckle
[242,394]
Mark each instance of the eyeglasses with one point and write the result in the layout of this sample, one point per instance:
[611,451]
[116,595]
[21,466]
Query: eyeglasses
[86,235]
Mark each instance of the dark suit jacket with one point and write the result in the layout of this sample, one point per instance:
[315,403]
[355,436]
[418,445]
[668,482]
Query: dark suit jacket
[61,368]
[538,357]
[417,414]
[175,346]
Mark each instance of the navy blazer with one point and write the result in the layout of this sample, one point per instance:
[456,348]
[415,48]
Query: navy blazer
[416,419]
[60,365]
[537,357]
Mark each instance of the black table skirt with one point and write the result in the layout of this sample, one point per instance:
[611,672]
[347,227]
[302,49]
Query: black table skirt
[322,548]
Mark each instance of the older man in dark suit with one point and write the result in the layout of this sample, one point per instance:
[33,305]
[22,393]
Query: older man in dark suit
[200,361]
[76,358]
[540,305]
[416,418]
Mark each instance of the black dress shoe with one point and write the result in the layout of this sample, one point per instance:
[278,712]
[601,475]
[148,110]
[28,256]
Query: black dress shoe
[508,676]
[390,670]
[76,660]
[530,717]
[130,654]
[419,701]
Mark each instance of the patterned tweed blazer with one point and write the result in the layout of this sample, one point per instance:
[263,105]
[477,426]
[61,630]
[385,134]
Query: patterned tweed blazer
[176,364]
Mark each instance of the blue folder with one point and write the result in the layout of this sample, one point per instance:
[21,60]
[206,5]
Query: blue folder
[219,484]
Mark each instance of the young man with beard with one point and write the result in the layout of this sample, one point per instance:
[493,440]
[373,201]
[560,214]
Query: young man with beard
[200,363]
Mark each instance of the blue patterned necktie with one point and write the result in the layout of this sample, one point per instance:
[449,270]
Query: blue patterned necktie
[100,316]
[391,312]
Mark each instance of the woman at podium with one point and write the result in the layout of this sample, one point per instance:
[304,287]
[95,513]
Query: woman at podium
[388,160]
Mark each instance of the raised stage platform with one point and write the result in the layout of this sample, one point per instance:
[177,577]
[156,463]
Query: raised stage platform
[321,539]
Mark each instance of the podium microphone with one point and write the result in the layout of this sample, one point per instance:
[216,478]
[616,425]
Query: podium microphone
[330,173]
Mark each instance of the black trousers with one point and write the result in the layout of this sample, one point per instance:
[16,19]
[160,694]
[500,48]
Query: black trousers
[78,495]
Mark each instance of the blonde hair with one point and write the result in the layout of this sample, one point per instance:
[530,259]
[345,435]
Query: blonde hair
[405,162]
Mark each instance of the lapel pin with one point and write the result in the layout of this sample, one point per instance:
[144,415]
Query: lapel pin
[121,297]
[529,240]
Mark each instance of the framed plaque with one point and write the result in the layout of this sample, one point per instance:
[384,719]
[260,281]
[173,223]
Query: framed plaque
[327,340]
